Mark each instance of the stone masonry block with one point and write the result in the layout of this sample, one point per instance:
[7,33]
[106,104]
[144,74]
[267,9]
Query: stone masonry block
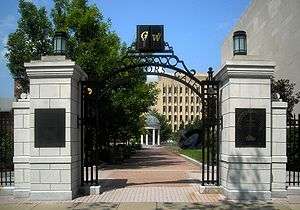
[49,91]
[35,176]
[50,176]
[21,135]
[39,104]
[34,91]
[40,187]
[18,149]
[18,121]
[49,151]
[65,91]
[65,176]
[61,103]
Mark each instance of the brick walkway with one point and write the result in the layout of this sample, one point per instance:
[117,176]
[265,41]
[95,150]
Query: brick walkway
[152,175]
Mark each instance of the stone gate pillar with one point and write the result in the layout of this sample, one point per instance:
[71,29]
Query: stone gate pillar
[245,149]
[53,149]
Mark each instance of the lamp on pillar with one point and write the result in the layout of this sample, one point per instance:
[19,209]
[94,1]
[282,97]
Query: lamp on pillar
[60,40]
[239,43]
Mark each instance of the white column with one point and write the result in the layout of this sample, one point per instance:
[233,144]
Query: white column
[279,157]
[147,139]
[21,147]
[245,172]
[142,139]
[158,137]
[153,136]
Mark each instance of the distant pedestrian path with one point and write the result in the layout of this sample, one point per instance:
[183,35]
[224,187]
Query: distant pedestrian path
[152,175]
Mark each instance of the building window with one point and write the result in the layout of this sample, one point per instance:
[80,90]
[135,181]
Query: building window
[170,89]
[164,108]
[186,99]
[169,117]
[170,99]
[192,109]
[180,99]
[186,118]
[180,90]
[180,108]
[164,99]
[192,117]
[164,90]
[175,108]
[197,109]
[186,90]
[175,99]
[175,90]
[180,117]
[175,117]
[175,127]
[197,99]
[170,109]
[186,108]
[192,99]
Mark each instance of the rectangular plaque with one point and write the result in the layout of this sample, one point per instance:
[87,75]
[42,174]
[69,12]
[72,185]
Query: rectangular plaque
[49,127]
[150,38]
[250,127]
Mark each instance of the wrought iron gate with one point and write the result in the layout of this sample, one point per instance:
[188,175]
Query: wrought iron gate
[165,64]
[293,150]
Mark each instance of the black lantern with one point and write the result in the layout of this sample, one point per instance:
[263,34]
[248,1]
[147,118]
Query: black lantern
[60,40]
[239,43]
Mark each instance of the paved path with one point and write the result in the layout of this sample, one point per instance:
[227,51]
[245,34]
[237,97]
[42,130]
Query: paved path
[152,175]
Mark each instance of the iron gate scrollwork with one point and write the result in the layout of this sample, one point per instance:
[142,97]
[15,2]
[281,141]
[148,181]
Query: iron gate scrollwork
[165,64]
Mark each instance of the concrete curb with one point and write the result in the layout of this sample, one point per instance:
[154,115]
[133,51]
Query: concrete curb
[191,159]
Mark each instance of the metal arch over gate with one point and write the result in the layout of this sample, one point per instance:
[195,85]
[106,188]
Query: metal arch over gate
[164,63]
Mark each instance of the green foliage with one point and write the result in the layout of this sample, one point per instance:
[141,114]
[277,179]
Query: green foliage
[29,41]
[287,93]
[165,127]
[97,50]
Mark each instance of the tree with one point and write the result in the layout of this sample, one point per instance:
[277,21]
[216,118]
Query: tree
[165,127]
[97,50]
[287,93]
[29,41]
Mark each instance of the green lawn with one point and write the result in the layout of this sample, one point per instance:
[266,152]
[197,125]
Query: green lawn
[196,154]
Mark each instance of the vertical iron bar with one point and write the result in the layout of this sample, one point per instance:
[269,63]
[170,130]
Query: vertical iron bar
[5,165]
[208,136]
[203,133]
[213,140]
[289,148]
[1,161]
[218,133]
[294,149]
[95,144]
[298,148]
[81,133]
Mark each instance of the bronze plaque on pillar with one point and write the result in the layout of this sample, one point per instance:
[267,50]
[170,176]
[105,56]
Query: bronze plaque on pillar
[250,127]
[49,128]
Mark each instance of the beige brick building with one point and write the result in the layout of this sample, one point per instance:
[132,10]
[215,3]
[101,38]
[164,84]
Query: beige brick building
[177,102]
[273,32]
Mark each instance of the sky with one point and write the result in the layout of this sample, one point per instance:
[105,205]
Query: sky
[194,28]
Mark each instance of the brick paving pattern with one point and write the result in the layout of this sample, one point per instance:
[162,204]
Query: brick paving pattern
[152,175]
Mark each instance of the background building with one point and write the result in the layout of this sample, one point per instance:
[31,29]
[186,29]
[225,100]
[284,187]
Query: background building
[273,32]
[177,102]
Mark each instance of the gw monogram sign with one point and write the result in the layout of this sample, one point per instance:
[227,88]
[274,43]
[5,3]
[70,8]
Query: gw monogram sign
[150,38]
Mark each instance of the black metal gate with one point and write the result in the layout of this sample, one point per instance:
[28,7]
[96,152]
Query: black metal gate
[293,150]
[6,149]
[165,64]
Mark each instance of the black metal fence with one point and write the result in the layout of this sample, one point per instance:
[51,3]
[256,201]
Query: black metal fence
[6,149]
[293,150]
